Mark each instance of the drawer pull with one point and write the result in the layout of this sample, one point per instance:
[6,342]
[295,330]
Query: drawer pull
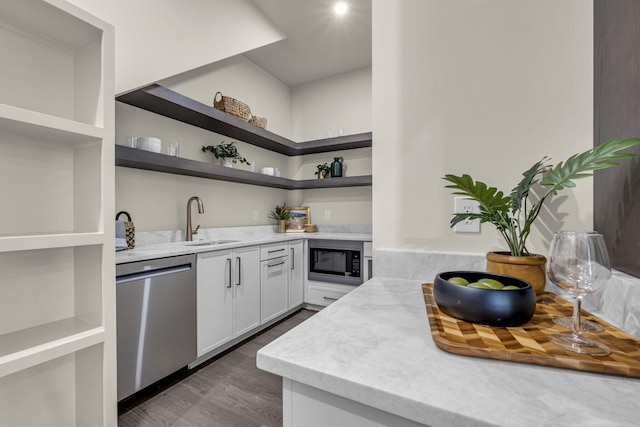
[330,298]
[277,263]
[277,250]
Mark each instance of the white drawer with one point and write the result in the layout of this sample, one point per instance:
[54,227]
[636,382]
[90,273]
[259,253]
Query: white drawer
[324,296]
[274,250]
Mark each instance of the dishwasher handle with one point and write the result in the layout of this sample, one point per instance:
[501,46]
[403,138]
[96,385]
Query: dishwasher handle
[148,274]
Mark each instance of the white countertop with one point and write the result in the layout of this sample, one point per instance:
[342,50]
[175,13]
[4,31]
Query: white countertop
[374,346]
[244,238]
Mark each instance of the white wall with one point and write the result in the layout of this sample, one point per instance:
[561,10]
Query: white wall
[340,102]
[484,87]
[155,40]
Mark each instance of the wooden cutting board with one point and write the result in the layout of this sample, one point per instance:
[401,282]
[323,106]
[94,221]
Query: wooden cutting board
[529,343]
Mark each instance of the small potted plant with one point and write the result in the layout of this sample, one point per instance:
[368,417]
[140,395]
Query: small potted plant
[227,152]
[282,215]
[513,215]
[323,170]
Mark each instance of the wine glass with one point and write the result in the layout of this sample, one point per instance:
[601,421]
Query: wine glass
[579,263]
[585,325]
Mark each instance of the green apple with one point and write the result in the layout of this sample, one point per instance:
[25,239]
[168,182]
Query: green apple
[491,283]
[479,285]
[459,281]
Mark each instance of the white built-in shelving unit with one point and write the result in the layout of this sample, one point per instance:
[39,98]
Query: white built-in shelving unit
[57,286]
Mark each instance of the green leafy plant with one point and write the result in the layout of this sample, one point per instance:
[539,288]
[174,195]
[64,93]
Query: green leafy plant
[323,169]
[225,151]
[280,213]
[514,215]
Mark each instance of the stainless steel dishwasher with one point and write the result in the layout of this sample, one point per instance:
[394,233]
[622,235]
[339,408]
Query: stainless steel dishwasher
[156,320]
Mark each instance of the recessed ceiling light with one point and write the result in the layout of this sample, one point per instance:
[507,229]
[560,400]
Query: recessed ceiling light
[340,8]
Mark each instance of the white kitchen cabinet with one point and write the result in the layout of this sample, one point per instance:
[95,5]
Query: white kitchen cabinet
[214,300]
[57,243]
[324,294]
[296,273]
[228,292]
[274,281]
[246,312]
[306,406]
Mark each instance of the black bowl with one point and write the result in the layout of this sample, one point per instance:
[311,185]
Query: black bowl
[487,306]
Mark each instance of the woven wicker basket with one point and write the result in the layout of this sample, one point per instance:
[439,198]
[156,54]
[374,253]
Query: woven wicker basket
[258,121]
[232,106]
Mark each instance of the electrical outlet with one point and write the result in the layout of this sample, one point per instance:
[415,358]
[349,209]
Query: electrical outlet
[466,205]
[327,214]
[256,214]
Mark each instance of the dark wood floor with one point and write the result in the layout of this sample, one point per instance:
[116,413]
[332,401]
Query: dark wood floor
[230,391]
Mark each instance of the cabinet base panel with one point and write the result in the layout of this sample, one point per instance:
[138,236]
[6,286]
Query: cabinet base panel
[242,338]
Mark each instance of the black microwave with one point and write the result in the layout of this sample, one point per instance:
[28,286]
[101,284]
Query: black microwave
[335,261]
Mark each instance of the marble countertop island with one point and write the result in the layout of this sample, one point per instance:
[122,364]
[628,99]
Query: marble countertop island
[374,346]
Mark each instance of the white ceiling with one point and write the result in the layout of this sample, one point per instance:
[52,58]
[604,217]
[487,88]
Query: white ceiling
[318,44]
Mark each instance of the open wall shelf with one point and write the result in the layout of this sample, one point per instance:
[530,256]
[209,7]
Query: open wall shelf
[168,103]
[139,159]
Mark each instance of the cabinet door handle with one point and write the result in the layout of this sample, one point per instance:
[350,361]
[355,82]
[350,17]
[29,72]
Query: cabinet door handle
[293,258]
[229,266]
[273,265]
[330,299]
[239,270]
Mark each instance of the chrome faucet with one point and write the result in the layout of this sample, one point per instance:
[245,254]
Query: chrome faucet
[190,230]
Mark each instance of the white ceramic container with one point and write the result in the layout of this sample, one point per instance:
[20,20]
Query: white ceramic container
[149,143]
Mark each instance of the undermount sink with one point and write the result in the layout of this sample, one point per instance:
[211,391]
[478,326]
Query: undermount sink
[209,242]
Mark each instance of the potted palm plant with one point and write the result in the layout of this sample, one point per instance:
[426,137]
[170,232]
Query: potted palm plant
[282,215]
[323,170]
[227,152]
[514,215]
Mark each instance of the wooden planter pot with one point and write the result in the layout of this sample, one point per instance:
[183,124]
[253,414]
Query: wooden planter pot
[531,268]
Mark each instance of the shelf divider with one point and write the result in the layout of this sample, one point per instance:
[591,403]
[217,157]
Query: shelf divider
[29,347]
[22,242]
[46,126]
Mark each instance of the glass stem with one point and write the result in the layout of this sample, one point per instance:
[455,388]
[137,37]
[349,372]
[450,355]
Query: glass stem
[576,316]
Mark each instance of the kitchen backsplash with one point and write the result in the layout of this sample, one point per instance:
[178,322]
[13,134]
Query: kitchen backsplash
[145,238]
